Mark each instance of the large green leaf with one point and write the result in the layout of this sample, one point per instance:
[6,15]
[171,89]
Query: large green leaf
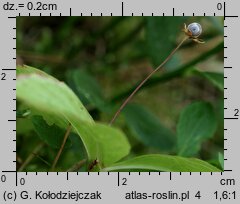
[87,88]
[51,96]
[52,135]
[54,100]
[105,143]
[112,142]
[31,70]
[158,162]
[196,124]
[148,129]
[161,35]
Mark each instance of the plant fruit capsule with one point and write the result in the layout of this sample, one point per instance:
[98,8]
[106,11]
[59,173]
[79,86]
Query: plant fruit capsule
[195,29]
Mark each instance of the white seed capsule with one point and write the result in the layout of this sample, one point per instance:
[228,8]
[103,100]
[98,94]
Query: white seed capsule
[195,29]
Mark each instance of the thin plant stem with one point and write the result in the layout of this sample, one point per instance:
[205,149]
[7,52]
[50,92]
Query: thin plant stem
[61,148]
[179,71]
[31,156]
[43,160]
[143,82]
[77,166]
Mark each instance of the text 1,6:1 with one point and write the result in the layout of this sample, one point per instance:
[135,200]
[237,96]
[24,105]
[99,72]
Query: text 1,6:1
[225,195]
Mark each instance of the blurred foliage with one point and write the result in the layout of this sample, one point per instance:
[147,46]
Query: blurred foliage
[148,129]
[102,59]
[197,123]
[161,35]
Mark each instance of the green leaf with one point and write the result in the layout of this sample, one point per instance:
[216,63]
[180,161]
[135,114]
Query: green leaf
[31,70]
[51,96]
[52,135]
[217,79]
[197,123]
[87,88]
[148,129]
[161,35]
[102,142]
[221,160]
[56,102]
[112,142]
[158,162]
